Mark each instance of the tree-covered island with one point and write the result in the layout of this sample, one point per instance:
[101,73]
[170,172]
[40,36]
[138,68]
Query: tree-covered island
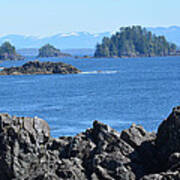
[135,41]
[50,51]
[8,52]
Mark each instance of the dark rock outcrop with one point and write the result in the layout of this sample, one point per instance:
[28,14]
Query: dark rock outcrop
[37,67]
[27,151]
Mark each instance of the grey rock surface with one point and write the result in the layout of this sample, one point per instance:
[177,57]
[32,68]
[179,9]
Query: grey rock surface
[27,151]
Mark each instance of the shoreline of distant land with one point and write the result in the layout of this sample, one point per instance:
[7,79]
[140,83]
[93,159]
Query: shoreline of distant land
[128,57]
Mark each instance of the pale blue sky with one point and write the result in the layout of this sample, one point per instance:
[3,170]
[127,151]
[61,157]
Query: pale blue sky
[47,17]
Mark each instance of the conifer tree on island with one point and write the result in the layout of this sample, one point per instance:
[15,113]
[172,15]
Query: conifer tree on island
[134,41]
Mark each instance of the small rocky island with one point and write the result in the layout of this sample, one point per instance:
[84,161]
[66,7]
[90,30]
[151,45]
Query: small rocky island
[27,151]
[135,41]
[37,67]
[50,51]
[8,52]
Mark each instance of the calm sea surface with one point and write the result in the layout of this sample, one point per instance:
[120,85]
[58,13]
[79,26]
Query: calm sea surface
[118,92]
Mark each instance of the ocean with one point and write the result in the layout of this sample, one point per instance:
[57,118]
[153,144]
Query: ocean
[117,92]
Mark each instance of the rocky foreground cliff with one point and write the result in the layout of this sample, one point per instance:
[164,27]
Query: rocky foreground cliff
[27,151]
[37,67]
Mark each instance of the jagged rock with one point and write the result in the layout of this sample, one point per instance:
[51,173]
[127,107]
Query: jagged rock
[135,135]
[27,151]
[37,67]
[152,177]
[22,145]
[168,136]
[163,176]
[169,133]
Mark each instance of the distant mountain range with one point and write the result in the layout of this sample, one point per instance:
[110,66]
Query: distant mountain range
[63,40]
[75,42]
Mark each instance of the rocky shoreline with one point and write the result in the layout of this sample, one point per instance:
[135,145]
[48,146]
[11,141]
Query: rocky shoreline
[37,67]
[100,153]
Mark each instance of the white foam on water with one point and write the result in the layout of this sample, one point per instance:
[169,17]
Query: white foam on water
[101,72]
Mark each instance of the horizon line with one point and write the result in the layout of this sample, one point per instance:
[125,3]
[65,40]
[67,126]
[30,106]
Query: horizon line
[92,33]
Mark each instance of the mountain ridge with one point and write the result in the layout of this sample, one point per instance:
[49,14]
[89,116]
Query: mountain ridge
[71,40]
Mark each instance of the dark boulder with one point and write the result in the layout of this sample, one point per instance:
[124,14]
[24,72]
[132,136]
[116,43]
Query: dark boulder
[169,133]
[168,138]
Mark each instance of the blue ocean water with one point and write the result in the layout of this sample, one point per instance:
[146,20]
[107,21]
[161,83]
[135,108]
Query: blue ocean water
[118,92]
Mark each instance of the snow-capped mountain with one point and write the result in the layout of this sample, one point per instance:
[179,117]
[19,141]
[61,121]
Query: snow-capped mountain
[62,41]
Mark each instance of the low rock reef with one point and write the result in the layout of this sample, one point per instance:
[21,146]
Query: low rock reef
[37,67]
[28,151]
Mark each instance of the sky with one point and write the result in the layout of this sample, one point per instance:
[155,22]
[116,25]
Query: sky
[48,17]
